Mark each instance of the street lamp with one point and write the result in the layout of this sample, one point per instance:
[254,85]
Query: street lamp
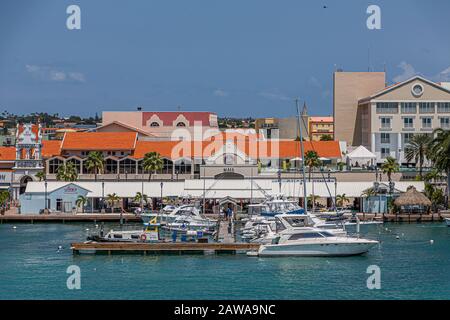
[162,184]
[46,205]
[103,196]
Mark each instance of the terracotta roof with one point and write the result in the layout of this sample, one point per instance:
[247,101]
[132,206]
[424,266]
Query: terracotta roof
[253,148]
[321,119]
[51,148]
[7,153]
[99,141]
[169,117]
[126,126]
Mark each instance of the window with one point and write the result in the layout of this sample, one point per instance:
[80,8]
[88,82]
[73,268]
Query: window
[385,123]
[154,124]
[407,137]
[426,107]
[385,138]
[417,90]
[387,107]
[408,107]
[426,123]
[408,123]
[53,165]
[127,166]
[443,107]
[445,123]
[110,166]
[181,124]
[183,168]
[385,152]
[308,235]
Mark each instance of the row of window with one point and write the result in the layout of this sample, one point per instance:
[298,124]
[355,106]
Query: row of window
[385,138]
[408,123]
[411,107]
[156,124]
[124,167]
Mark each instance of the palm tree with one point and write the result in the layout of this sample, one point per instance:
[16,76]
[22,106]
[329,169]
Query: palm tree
[434,175]
[112,199]
[40,175]
[369,193]
[389,167]
[152,162]
[81,202]
[417,150]
[95,162]
[67,172]
[312,161]
[440,154]
[341,199]
[141,198]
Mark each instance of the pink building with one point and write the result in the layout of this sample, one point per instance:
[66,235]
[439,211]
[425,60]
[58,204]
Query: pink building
[173,125]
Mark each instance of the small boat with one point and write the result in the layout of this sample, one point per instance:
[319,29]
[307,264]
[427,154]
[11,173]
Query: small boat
[186,211]
[184,224]
[150,233]
[447,221]
[275,205]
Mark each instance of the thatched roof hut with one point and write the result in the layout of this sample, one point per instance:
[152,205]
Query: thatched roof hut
[412,197]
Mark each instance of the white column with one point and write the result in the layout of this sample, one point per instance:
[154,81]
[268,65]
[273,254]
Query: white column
[399,147]
[372,142]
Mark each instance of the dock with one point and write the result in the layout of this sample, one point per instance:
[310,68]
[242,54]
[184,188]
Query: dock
[226,232]
[68,217]
[161,247]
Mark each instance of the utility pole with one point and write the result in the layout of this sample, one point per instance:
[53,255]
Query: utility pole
[305,198]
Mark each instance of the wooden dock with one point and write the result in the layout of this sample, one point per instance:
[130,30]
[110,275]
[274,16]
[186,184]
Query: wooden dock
[226,232]
[161,248]
[61,217]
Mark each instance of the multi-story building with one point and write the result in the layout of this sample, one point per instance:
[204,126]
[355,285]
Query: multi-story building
[348,89]
[320,127]
[389,118]
[161,125]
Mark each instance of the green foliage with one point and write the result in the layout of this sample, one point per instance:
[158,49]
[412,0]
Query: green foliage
[81,202]
[152,162]
[95,162]
[341,199]
[389,167]
[67,172]
[326,137]
[417,149]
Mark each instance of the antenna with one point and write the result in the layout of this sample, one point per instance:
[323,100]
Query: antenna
[368,59]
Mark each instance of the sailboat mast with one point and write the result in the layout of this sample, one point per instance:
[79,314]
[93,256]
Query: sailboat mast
[305,198]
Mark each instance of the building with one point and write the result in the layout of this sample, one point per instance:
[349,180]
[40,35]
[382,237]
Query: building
[321,128]
[348,89]
[283,128]
[161,124]
[390,117]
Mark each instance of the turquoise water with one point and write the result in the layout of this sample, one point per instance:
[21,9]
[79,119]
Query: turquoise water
[31,267]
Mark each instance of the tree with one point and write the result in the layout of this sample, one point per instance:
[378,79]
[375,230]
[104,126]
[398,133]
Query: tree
[67,172]
[95,163]
[40,175]
[113,200]
[341,199]
[389,167]
[81,202]
[440,154]
[369,193]
[141,198]
[312,161]
[152,162]
[417,150]
[326,137]
[434,175]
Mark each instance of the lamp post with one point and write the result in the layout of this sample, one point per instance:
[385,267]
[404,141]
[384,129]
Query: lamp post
[46,205]
[103,196]
[142,196]
[162,185]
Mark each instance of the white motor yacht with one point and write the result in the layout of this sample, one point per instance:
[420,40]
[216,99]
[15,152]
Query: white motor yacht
[296,236]
[186,211]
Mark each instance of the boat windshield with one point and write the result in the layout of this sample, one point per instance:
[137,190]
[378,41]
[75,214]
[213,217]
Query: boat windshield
[279,207]
[296,222]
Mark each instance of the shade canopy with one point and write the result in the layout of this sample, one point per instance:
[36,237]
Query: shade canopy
[412,197]
[361,156]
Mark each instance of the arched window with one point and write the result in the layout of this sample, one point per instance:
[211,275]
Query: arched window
[183,167]
[181,124]
[110,166]
[154,124]
[127,166]
[53,165]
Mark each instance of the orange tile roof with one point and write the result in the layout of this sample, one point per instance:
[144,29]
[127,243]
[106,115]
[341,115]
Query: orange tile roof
[7,153]
[99,141]
[253,148]
[51,148]
[321,119]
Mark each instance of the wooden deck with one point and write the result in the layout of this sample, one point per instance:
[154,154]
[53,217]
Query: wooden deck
[80,217]
[159,248]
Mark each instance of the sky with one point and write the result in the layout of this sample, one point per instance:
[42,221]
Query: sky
[237,58]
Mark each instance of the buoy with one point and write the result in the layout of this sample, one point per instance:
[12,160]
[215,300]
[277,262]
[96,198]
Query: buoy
[14,227]
[431,241]
[96,225]
[59,247]
[87,229]
[397,237]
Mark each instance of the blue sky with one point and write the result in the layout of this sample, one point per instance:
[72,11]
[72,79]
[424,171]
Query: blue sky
[233,57]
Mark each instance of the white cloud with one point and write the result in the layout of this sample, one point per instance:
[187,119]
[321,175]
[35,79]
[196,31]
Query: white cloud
[274,94]
[220,93]
[444,75]
[47,73]
[408,72]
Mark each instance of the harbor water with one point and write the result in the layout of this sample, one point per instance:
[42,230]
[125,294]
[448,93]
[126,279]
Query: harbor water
[412,267]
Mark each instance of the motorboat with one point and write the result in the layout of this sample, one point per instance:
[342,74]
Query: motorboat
[150,233]
[313,242]
[187,211]
[185,223]
[447,221]
[275,205]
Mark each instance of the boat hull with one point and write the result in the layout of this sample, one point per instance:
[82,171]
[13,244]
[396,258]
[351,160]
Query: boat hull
[447,221]
[315,250]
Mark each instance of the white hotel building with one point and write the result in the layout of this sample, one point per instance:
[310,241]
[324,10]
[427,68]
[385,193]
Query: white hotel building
[391,117]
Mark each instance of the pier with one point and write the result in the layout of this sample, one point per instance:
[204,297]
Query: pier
[161,247]
[64,217]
